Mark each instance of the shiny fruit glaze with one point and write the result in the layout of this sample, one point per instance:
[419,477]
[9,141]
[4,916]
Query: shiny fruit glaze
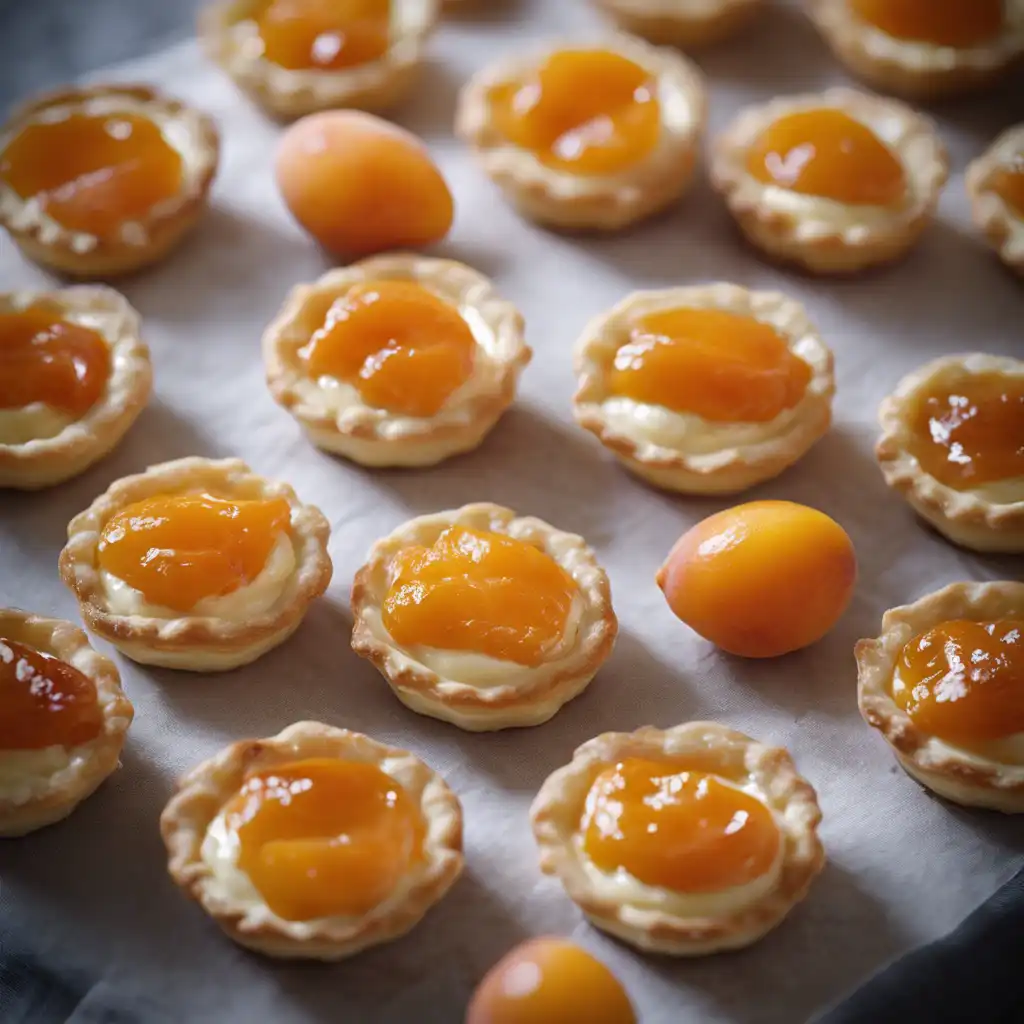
[550,981]
[829,154]
[46,702]
[480,592]
[583,111]
[959,23]
[325,837]
[44,358]
[761,579]
[401,346]
[92,173]
[177,550]
[963,681]
[1009,184]
[971,433]
[722,366]
[324,35]
[677,829]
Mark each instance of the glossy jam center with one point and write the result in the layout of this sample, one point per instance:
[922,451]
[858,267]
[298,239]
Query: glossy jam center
[972,434]
[401,346]
[583,111]
[1009,183]
[178,550]
[44,702]
[718,365]
[480,592]
[827,153]
[963,681]
[92,173]
[324,837]
[44,358]
[324,35]
[677,829]
[960,23]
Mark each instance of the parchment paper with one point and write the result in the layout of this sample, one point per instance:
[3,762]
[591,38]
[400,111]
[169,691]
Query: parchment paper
[91,896]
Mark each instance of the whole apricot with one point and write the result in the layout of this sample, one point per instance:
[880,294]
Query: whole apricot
[550,981]
[761,579]
[360,185]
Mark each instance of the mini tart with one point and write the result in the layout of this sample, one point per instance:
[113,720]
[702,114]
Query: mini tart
[473,691]
[41,446]
[200,643]
[42,786]
[228,895]
[1002,224]
[823,235]
[334,414]
[682,451]
[561,199]
[684,23]
[914,68]
[138,242]
[660,920]
[230,36]
[963,776]
[987,518]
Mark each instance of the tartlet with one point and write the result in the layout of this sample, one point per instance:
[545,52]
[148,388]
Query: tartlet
[684,23]
[1000,220]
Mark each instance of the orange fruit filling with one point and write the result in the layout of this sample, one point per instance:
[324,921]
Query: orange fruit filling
[583,111]
[401,346]
[550,981]
[180,549]
[827,153]
[1009,184]
[972,433]
[324,35]
[480,592]
[325,837]
[677,829]
[960,23]
[963,681]
[718,365]
[92,173]
[46,702]
[44,358]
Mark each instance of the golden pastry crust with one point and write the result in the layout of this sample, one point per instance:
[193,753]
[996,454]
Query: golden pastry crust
[821,235]
[687,24]
[45,461]
[376,437]
[203,792]
[955,774]
[527,696]
[713,458]
[1002,226]
[139,243]
[46,799]
[978,519]
[228,32]
[591,202]
[183,640]
[913,69]
[559,805]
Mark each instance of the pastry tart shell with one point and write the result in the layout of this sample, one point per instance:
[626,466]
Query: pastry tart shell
[202,793]
[948,771]
[196,643]
[376,437]
[89,764]
[578,202]
[1001,225]
[665,23]
[139,243]
[45,461]
[543,690]
[764,451]
[559,805]
[967,517]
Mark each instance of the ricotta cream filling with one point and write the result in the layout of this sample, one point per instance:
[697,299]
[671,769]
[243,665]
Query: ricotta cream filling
[37,421]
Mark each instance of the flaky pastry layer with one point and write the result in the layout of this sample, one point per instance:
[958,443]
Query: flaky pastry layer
[1002,225]
[686,25]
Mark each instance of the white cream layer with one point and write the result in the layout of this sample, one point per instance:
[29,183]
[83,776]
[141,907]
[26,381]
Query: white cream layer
[34,422]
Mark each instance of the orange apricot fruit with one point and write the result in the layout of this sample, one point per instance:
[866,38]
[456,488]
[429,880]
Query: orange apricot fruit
[359,184]
[761,579]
